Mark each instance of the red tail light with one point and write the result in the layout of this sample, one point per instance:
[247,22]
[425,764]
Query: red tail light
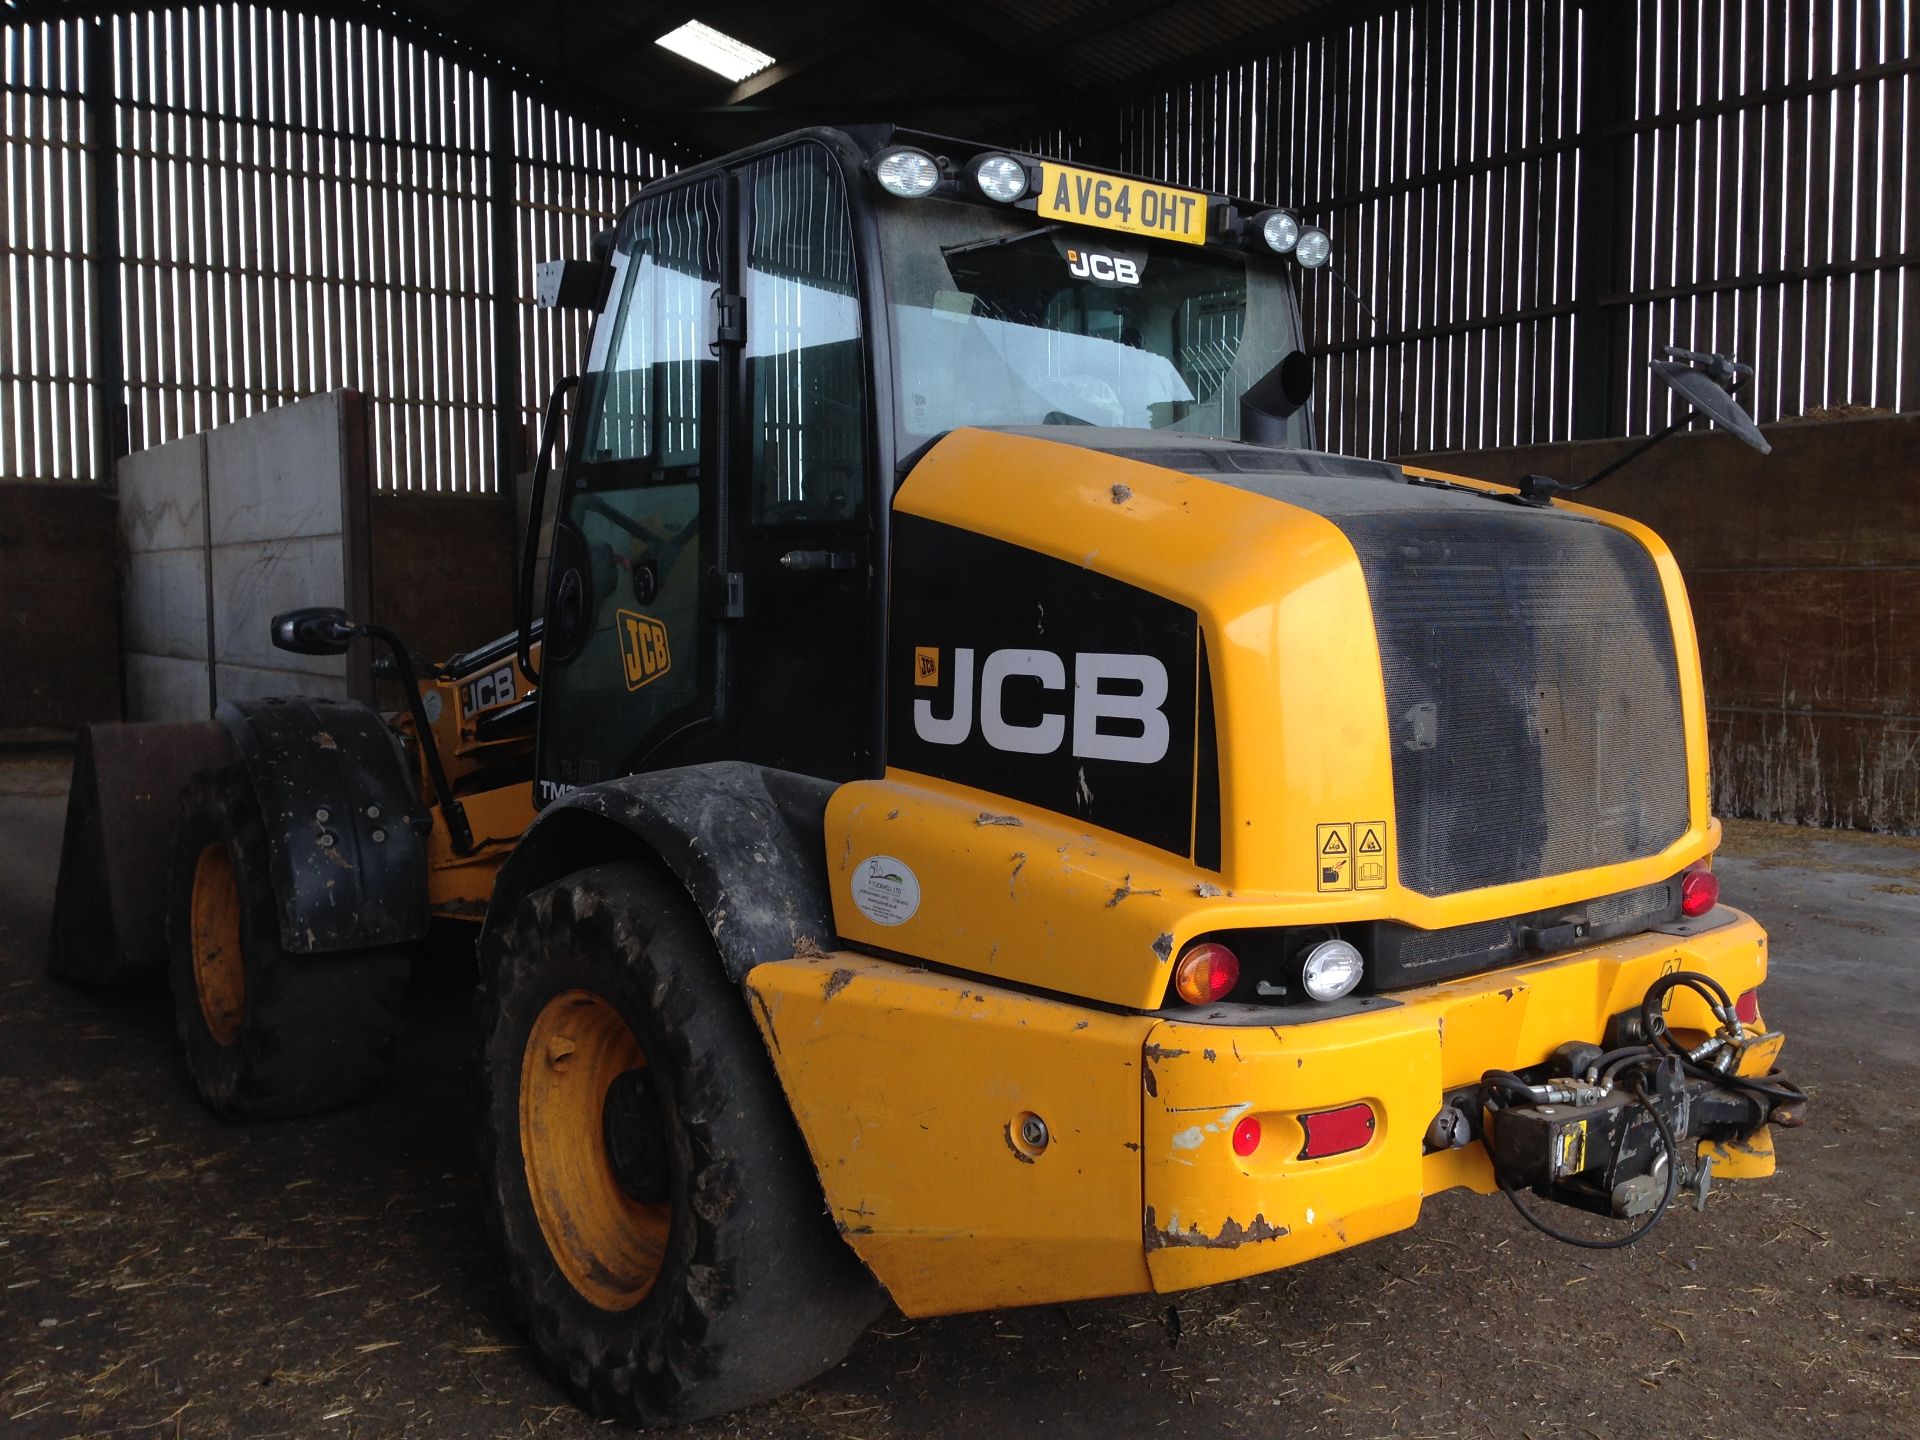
[1699,892]
[1747,1007]
[1206,973]
[1246,1136]
[1335,1132]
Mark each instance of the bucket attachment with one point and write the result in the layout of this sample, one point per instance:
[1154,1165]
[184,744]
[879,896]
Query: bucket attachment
[110,903]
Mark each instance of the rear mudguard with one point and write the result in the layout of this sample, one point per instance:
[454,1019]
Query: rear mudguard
[345,827]
[744,841]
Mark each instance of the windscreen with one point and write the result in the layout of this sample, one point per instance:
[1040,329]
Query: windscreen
[998,320]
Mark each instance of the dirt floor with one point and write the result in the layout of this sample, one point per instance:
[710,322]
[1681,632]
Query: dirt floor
[163,1274]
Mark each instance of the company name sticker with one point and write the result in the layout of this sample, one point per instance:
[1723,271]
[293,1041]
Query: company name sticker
[885,890]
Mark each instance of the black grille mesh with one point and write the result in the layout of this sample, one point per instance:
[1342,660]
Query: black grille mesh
[1650,902]
[1532,691]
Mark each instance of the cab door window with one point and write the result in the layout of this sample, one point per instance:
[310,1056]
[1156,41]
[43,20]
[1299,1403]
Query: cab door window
[628,655]
[806,370]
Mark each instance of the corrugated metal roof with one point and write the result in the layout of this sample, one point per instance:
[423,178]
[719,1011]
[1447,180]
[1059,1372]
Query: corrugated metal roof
[994,69]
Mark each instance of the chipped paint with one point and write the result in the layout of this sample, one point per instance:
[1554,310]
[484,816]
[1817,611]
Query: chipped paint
[836,982]
[1122,494]
[1231,1236]
[1163,947]
[1006,1133]
[1206,890]
[1191,1138]
[1019,864]
[1125,889]
[987,817]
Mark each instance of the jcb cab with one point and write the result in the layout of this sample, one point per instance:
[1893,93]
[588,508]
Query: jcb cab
[1016,823]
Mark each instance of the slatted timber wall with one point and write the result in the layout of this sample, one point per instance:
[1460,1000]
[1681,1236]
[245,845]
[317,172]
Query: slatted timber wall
[268,205]
[1530,195]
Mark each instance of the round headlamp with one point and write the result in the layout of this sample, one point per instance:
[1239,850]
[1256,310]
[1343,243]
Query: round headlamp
[1331,970]
[906,172]
[1313,249]
[1280,230]
[999,177]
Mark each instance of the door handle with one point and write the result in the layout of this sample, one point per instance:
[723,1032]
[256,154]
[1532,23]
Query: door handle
[819,560]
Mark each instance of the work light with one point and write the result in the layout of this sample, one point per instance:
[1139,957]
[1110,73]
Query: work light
[999,177]
[1332,968]
[1280,230]
[906,172]
[1313,249]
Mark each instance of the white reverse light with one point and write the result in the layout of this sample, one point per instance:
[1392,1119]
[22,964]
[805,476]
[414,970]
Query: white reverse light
[1332,967]
[1313,249]
[1000,177]
[1280,230]
[906,172]
[715,50]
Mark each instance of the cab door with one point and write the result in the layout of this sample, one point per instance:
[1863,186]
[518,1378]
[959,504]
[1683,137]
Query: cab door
[799,657]
[629,655]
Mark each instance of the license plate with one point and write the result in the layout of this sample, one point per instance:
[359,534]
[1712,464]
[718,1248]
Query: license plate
[1107,202]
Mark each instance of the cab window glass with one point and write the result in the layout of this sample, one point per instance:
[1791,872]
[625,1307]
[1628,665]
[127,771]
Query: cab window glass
[806,379]
[624,635]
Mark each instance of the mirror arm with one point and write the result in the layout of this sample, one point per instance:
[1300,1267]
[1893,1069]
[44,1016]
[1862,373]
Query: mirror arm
[1631,455]
[530,541]
[459,830]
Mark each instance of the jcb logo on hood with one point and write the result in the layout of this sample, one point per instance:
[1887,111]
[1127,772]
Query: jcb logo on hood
[1117,708]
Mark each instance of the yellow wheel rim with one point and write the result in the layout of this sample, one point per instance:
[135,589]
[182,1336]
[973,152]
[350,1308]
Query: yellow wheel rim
[607,1244]
[219,966]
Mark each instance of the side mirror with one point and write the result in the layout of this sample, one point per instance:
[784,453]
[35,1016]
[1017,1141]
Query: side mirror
[571,284]
[317,630]
[1710,390]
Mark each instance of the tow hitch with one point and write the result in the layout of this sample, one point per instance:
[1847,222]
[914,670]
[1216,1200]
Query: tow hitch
[1615,1130]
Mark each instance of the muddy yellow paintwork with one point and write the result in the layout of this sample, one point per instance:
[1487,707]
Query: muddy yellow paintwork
[1303,737]
[459,886]
[909,1085]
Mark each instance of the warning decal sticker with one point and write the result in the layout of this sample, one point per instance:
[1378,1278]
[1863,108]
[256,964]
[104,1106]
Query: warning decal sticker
[1370,855]
[1333,849]
[1351,856]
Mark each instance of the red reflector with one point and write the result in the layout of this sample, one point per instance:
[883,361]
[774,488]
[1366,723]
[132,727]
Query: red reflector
[1246,1136]
[1747,1007]
[1699,892]
[1335,1132]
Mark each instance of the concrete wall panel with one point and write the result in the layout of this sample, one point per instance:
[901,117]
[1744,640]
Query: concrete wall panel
[163,603]
[265,515]
[278,473]
[257,579]
[160,686]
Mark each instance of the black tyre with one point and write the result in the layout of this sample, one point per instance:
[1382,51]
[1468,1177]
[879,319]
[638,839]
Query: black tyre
[266,1034]
[666,1243]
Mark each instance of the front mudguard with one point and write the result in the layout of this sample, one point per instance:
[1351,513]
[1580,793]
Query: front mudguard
[746,842]
[346,830]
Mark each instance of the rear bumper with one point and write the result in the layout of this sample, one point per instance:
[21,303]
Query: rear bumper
[912,1089]
[1213,1215]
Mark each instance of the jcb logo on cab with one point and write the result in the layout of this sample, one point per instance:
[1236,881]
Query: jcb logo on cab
[643,648]
[1115,712]
[1092,265]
